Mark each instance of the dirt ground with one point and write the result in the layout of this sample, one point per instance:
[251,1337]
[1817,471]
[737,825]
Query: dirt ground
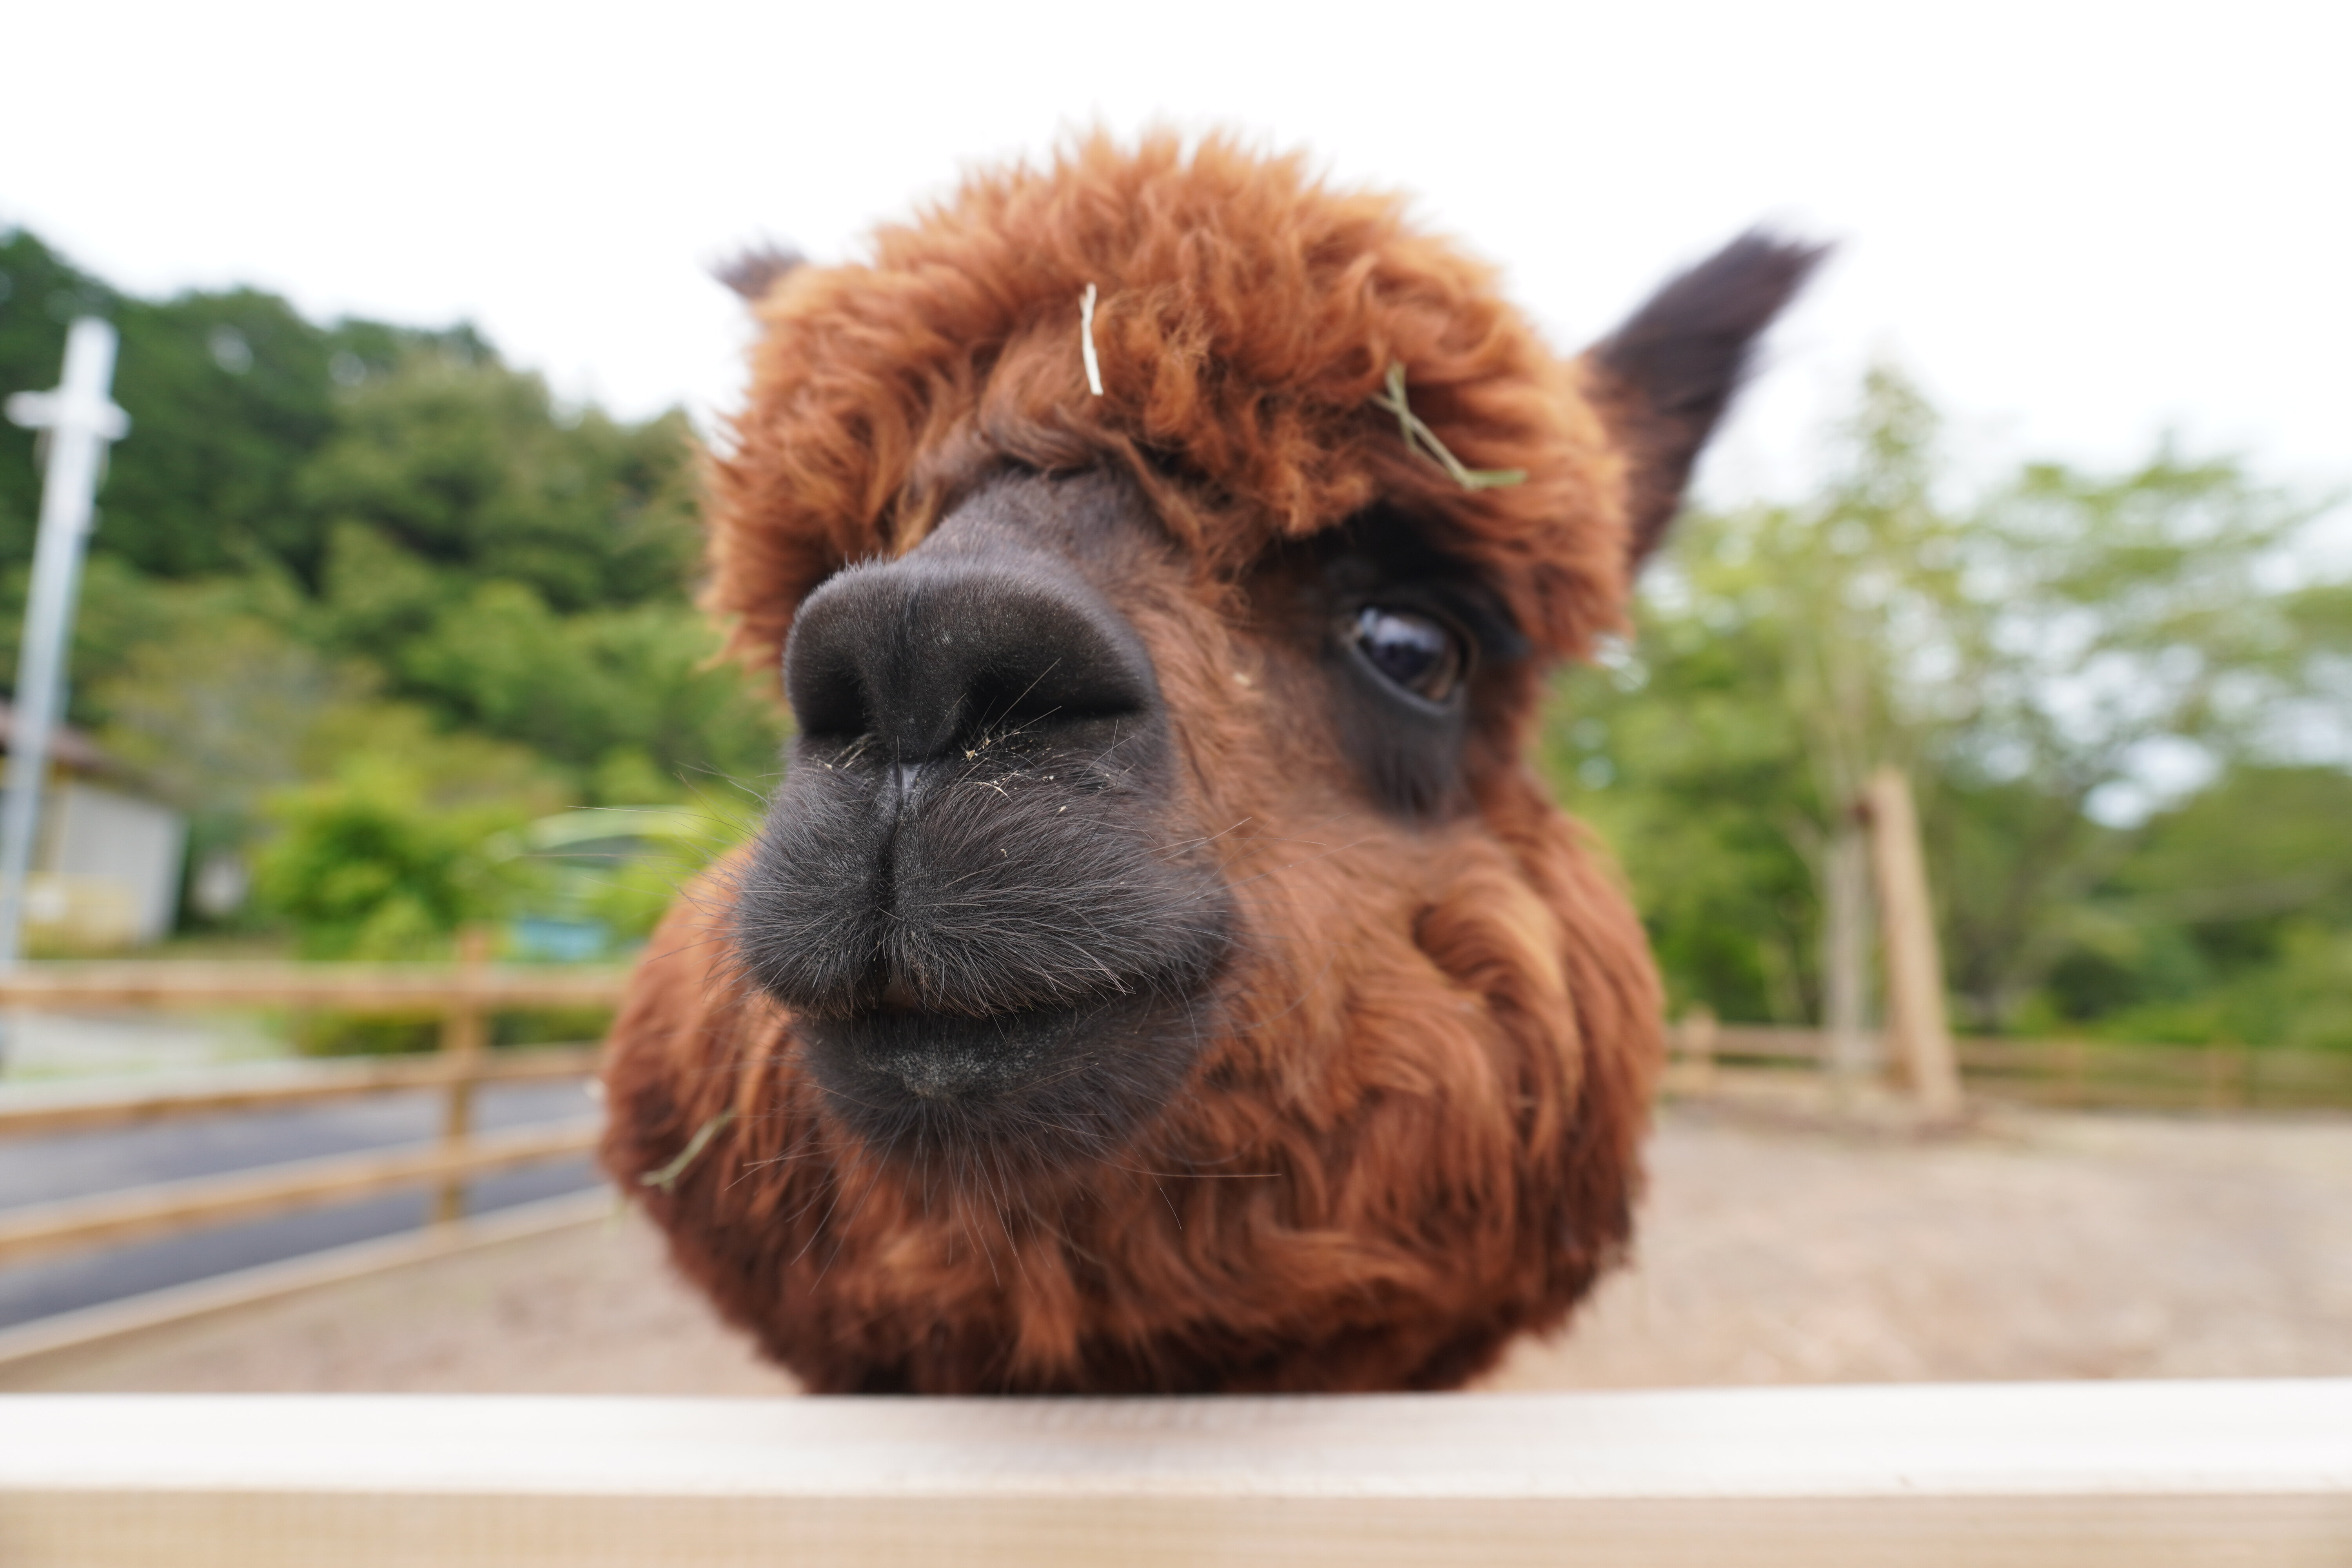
[1776,1247]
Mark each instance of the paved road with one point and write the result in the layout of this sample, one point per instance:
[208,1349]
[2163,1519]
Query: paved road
[73,1165]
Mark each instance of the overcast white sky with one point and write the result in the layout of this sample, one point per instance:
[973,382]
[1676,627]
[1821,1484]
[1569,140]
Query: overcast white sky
[2077,225]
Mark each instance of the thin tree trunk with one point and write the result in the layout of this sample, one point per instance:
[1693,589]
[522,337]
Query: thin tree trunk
[1846,956]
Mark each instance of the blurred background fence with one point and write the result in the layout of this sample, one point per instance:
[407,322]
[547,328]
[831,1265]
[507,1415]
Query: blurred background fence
[2071,1074]
[1706,1058]
[248,1150]
[463,995]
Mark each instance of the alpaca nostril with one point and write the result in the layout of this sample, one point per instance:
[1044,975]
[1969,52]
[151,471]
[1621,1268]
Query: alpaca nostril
[930,658]
[822,679]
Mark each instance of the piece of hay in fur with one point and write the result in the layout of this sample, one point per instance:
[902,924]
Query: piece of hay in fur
[1086,342]
[685,1156]
[1417,434]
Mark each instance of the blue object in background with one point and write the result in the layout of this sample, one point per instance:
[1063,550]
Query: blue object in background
[547,940]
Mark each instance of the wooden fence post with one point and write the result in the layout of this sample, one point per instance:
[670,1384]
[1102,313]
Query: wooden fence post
[464,1034]
[1850,1054]
[1918,1035]
[2228,1077]
[1695,1038]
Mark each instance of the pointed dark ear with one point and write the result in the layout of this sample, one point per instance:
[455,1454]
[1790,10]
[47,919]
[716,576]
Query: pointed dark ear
[753,271]
[1663,379]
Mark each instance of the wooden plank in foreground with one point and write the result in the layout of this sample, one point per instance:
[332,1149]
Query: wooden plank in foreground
[2145,1475]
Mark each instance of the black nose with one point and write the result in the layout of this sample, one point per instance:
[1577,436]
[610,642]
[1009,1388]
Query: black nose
[929,658]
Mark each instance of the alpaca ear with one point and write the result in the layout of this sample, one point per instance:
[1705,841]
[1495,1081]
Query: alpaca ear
[1663,379]
[753,271]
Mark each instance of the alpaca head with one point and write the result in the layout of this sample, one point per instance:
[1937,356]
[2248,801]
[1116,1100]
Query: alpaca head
[1159,968]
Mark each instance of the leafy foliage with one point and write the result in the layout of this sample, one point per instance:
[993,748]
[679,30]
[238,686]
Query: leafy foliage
[367,596]
[386,859]
[2056,661]
[464,466]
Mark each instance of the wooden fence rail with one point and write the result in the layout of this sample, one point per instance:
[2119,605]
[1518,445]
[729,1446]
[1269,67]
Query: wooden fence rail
[139,1213]
[79,1111]
[464,993]
[441,988]
[2097,1475]
[2074,1073]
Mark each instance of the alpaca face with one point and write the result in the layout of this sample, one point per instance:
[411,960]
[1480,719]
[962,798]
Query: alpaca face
[1160,969]
[997,889]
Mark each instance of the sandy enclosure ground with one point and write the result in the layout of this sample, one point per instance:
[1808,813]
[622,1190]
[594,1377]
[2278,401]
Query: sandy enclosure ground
[1776,1247]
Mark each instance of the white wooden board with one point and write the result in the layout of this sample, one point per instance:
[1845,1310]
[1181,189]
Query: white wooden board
[2151,1473]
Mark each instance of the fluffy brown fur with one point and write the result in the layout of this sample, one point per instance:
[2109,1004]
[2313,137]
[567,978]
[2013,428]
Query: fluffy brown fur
[1412,1129]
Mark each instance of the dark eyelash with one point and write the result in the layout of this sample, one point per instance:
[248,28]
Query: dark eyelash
[1487,631]
[1484,621]
[1397,552]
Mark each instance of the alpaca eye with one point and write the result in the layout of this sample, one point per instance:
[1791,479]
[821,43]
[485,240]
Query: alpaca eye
[1413,651]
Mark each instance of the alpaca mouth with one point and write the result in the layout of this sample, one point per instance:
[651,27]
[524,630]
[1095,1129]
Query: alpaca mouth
[942,1057]
[1037,1088]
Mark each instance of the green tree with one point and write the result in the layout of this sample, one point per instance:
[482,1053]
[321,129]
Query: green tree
[2112,624]
[2231,921]
[40,292]
[230,394]
[392,854]
[463,465]
[2034,656]
[584,687]
[368,594]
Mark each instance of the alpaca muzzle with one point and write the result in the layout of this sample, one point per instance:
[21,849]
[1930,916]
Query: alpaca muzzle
[964,890]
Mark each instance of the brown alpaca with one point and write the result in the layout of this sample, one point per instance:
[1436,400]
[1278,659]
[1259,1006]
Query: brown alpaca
[1160,970]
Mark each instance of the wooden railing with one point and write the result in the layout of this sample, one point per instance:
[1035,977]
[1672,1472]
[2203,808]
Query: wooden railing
[2070,1073]
[466,996]
[2097,1475]
[2063,1072]
[450,989]
[76,1110]
[115,1218]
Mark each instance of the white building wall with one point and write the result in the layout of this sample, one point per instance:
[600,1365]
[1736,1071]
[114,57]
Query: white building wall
[133,845]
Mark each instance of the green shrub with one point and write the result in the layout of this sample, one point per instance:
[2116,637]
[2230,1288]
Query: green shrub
[379,863]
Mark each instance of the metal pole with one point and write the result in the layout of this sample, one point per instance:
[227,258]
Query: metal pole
[81,421]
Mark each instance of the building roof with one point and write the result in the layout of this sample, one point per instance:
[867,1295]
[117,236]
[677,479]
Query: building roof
[69,748]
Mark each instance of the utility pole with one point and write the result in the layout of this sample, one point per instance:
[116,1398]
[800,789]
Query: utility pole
[80,420]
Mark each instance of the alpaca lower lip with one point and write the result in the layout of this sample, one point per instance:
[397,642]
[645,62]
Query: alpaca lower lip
[945,1056]
[1038,1086]
[937,1056]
